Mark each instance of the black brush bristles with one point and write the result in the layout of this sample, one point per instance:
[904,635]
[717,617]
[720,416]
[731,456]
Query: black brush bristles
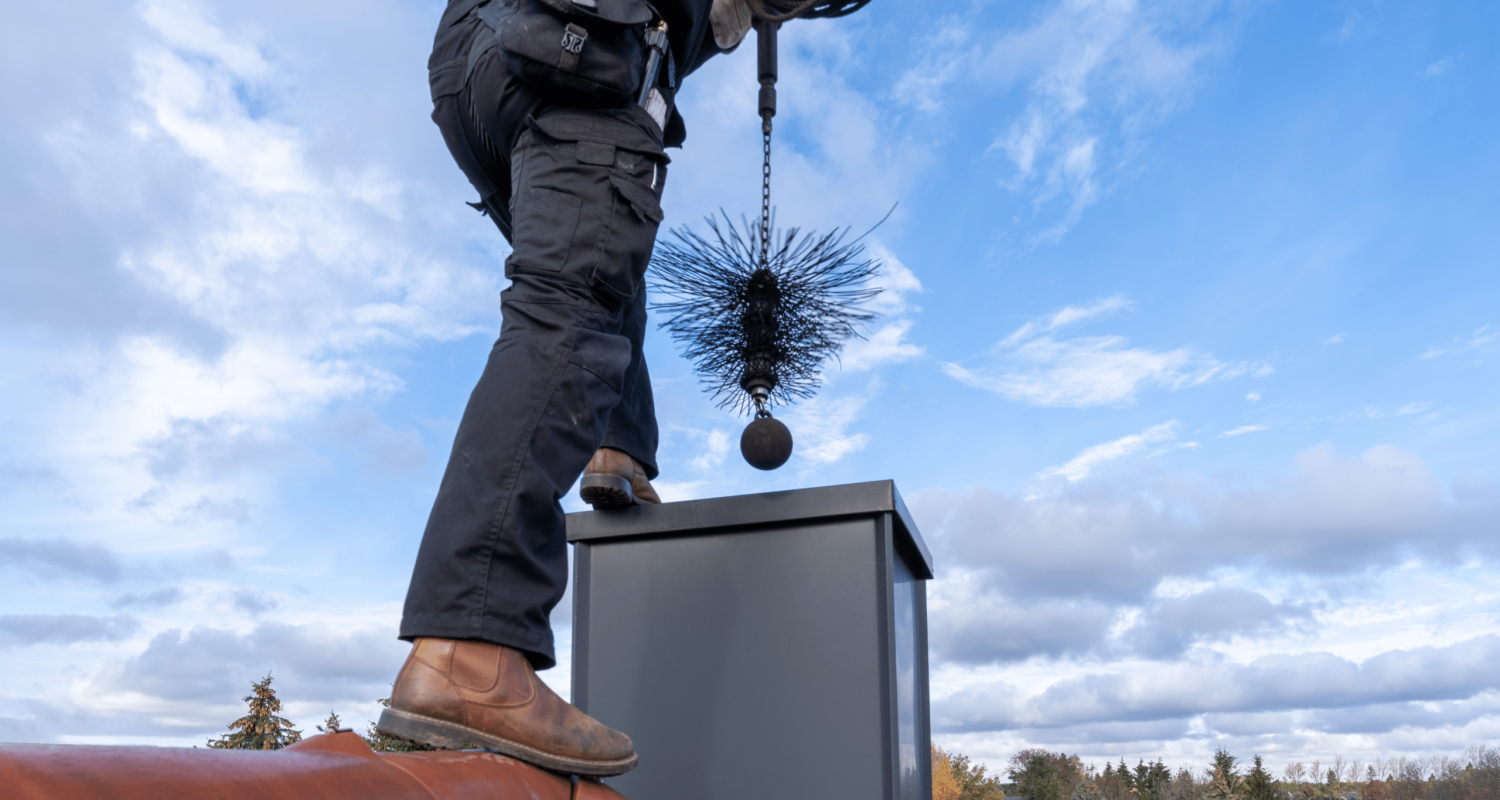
[739,322]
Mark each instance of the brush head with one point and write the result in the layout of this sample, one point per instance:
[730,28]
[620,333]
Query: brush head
[744,322]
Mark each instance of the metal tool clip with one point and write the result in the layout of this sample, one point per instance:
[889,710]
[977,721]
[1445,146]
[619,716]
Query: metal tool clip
[651,99]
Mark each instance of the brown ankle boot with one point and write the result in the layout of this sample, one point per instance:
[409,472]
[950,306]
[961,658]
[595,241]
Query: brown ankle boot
[455,694]
[615,480]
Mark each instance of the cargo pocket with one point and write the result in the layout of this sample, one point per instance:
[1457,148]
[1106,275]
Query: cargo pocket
[587,204]
[634,218]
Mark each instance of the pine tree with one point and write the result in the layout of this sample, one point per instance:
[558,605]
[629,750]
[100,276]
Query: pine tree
[1258,784]
[1224,764]
[1331,787]
[1218,788]
[333,724]
[1157,780]
[261,729]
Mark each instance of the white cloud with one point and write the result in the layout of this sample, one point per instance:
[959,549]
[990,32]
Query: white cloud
[1337,338]
[1438,67]
[821,427]
[886,344]
[1310,680]
[677,491]
[181,25]
[717,447]
[1142,612]
[1253,397]
[1376,412]
[897,282]
[189,679]
[1032,366]
[1463,344]
[294,265]
[1244,429]
[1068,316]
[1098,76]
[1084,463]
[1119,535]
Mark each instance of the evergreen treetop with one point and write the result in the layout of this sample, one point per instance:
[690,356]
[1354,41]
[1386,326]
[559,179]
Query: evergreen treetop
[1258,784]
[262,728]
[1218,788]
[1224,765]
[333,724]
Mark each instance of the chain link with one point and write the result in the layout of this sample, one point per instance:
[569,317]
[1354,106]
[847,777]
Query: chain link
[765,197]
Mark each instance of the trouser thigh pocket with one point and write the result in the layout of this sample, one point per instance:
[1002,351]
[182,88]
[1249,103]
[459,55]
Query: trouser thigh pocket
[548,201]
[587,203]
[634,218]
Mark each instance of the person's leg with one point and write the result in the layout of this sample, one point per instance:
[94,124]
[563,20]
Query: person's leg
[619,475]
[632,423]
[493,561]
[580,203]
[492,564]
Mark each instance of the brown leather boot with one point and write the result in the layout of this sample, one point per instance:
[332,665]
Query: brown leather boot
[455,694]
[614,480]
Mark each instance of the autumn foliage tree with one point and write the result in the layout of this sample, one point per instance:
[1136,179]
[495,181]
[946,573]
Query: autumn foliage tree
[1087,789]
[944,785]
[973,784]
[262,728]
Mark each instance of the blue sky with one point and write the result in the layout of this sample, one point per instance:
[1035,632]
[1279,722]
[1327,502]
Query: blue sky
[1186,363]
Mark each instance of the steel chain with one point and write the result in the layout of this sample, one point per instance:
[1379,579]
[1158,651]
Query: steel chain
[765,198]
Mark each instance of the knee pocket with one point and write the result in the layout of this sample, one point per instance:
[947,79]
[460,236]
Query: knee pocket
[605,355]
[594,381]
[587,206]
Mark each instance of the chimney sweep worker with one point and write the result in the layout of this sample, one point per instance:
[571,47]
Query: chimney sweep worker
[559,113]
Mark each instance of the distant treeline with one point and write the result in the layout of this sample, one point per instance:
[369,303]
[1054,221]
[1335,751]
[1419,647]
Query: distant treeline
[1044,775]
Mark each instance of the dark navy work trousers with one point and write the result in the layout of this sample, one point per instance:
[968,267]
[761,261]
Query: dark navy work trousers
[577,193]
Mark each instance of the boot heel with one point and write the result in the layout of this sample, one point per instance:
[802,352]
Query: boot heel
[606,492]
[422,731]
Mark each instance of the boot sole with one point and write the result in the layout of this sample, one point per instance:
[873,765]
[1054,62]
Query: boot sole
[440,733]
[606,492]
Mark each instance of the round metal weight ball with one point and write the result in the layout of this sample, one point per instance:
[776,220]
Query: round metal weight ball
[766,443]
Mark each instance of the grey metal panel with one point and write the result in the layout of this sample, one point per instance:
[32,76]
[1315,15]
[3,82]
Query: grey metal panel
[582,601]
[744,665]
[798,506]
[884,601]
[908,688]
[924,707]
